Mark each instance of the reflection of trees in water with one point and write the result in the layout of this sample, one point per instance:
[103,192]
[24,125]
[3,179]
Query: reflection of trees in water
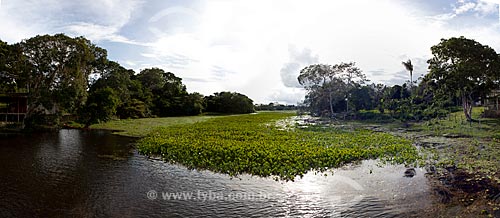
[49,174]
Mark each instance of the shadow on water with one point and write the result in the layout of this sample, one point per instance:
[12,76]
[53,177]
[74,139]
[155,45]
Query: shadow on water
[76,173]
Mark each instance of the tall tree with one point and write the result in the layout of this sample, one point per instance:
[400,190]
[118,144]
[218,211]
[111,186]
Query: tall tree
[100,107]
[362,98]
[168,91]
[7,82]
[321,81]
[465,68]
[11,67]
[4,50]
[329,82]
[57,73]
[409,67]
[128,91]
[193,104]
[352,76]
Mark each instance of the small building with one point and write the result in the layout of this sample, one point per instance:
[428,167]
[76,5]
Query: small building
[492,102]
[13,107]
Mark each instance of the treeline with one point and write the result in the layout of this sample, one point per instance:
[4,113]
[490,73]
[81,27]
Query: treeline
[275,107]
[71,77]
[461,72]
[382,102]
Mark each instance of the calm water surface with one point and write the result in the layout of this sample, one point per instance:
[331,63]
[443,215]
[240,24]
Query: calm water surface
[75,173]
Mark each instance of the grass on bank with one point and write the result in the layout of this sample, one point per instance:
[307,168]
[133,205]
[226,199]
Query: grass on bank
[456,124]
[473,147]
[254,144]
[141,127]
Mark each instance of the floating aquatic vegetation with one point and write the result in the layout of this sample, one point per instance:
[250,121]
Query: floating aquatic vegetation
[248,144]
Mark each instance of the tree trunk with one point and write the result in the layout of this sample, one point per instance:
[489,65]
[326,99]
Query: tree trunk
[331,105]
[411,82]
[467,107]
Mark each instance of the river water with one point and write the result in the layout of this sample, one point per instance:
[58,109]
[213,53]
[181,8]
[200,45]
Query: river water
[75,173]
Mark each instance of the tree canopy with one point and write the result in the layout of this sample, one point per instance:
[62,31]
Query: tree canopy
[464,68]
[229,103]
[328,85]
[56,73]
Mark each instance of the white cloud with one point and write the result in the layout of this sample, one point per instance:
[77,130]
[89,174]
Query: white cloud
[465,7]
[487,7]
[131,63]
[98,20]
[244,46]
[298,60]
[253,38]
[98,33]
[286,96]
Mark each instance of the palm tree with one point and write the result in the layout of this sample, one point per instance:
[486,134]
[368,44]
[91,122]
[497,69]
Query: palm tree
[409,67]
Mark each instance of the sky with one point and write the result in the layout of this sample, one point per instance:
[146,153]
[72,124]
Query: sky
[258,47]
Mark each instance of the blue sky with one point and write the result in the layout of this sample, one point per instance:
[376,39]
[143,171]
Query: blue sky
[257,47]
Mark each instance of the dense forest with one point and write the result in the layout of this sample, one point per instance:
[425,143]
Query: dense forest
[71,78]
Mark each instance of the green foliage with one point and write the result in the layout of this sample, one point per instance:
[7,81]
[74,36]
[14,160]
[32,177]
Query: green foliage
[11,65]
[461,71]
[100,107]
[361,98]
[6,81]
[254,144]
[152,79]
[133,108]
[168,95]
[132,102]
[229,103]
[464,68]
[193,104]
[373,115]
[56,73]
[328,86]
[3,50]
[153,92]
[455,123]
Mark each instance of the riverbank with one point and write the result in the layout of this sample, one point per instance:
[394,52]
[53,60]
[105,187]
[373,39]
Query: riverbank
[462,160]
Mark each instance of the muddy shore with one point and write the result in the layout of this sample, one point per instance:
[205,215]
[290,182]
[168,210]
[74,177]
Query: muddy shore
[459,192]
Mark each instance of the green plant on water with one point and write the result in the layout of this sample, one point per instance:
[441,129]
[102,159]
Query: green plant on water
[249,144]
